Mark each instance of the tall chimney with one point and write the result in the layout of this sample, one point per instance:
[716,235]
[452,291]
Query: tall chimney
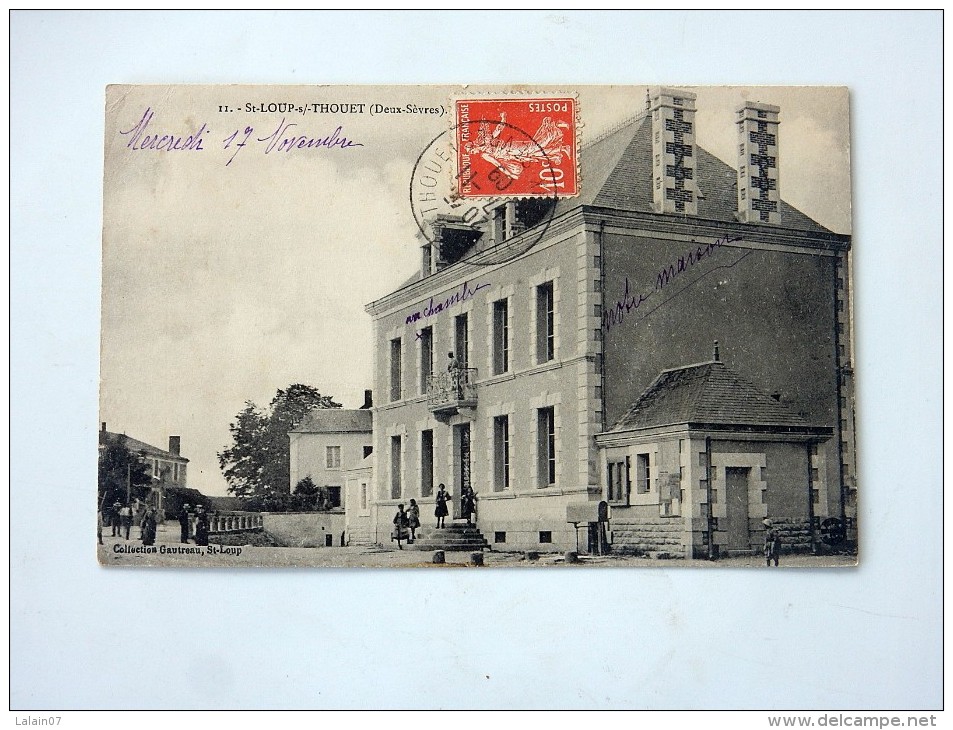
[175,443]
[104,427]
[674,186]
[368,400]
[759,193]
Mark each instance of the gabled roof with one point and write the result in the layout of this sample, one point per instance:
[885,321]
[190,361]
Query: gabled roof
[616,171]
[709,393]
[135,445]
[336,420]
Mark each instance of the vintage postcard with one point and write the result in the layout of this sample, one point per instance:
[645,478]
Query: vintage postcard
[477,326]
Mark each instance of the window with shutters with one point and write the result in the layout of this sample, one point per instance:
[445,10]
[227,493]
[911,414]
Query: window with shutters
[618,481]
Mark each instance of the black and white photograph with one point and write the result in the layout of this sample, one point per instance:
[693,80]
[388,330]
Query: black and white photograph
[475,360]
[488,326]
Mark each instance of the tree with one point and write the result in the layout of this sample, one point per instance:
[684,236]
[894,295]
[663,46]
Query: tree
[307,496]
[256,465]
[121,469]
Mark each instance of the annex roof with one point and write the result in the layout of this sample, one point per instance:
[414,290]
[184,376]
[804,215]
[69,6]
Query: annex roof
[708,393]
[336,420]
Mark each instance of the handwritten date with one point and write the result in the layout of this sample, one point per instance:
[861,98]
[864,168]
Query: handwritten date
[285,138]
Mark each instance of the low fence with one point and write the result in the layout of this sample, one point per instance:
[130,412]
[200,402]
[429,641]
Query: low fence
[222,522]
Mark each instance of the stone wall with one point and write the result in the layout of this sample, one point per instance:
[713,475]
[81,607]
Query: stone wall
[305,529]
[643,536]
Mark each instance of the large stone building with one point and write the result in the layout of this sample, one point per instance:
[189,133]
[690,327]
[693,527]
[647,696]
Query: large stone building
[561,316]
[166,466]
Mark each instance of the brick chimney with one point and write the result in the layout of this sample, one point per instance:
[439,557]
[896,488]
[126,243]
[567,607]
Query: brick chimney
[175,443]
[759,192]
[368,400]
[674,185]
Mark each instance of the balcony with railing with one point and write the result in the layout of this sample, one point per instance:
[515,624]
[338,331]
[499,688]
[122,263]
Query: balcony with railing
[450,392]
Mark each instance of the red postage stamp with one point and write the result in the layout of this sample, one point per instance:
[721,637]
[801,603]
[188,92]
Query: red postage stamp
[523,146]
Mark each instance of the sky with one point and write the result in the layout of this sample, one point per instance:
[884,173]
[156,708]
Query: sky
[226,278]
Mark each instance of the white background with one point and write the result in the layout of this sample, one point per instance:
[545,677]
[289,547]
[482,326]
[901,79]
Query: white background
[87,637]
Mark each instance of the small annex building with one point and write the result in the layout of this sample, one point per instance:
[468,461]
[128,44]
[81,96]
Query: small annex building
[327,443]
[705,435]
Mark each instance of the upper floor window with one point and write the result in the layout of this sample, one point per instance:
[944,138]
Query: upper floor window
[333,457]
[395,369]
[501,337]
[426,357]
[545,323]
[461,339]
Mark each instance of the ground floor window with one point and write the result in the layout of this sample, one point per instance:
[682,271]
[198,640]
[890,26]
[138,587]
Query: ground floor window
[546,443]
[642,474]
[499,537]
[618,481]
[395,467]
[501,453]
[545,536]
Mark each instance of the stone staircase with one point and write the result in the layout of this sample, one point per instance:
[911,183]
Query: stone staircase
[457,536]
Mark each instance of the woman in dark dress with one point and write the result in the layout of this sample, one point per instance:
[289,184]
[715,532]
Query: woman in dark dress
[148,527]
[400,525]
[468,506]
[441,511]
[413,518]
[201,526]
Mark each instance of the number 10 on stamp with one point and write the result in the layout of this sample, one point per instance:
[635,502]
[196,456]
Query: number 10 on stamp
[518,147]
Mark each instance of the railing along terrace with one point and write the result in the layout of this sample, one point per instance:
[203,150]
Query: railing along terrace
[452,387]
[233,522]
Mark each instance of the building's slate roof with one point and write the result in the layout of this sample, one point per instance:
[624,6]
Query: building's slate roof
[225,504]
[135,445]
[708,393]
[336,420]
[616,171]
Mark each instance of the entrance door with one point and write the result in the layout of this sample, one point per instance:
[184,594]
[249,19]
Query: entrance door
[463,479]
[736,486]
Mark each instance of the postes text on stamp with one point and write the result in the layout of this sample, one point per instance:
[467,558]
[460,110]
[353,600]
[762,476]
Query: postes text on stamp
[516,147]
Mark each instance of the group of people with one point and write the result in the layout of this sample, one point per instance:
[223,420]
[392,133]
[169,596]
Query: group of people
[201,524]
[407,521]
[120,518]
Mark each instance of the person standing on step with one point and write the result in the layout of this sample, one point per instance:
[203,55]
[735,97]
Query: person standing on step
[413,519]
[441,511]
[400,525]
[468,504]
[772,544]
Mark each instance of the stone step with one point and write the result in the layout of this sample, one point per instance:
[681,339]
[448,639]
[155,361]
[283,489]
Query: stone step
[457,536]
[444,545]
